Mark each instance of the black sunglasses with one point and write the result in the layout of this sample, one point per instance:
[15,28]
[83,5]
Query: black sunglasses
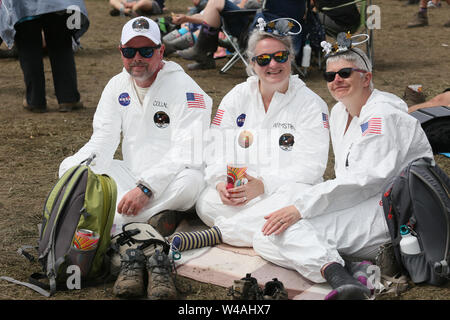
[343,73]
[265,58]
[145,52]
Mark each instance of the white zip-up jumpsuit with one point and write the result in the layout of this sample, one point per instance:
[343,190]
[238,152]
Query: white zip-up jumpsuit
[345,215]
[162,140]
[288,151]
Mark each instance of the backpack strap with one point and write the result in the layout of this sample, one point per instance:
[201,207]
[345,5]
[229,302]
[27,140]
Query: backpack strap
[32,286]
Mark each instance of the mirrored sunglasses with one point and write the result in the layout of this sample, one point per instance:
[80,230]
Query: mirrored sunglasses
[344,73]
[265,58]
[145,52]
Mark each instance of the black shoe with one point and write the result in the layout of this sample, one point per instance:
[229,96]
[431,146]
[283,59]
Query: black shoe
[245,289]
[274,290]
[70,106]
[34,109]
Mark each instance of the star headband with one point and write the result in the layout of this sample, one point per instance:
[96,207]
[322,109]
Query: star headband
[345,41]
[280,27]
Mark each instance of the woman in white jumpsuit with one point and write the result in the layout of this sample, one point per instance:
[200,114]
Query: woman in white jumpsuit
[286,151]
[161,132]
[373,139]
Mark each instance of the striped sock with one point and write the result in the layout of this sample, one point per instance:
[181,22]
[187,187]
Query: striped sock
[182,241]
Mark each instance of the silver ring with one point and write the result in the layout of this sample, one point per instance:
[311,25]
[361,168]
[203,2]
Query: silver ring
[281,221]
[245,198]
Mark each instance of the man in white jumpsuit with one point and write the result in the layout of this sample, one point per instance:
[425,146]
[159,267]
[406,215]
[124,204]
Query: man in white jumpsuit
[276,126]
[160,114]
[160,124]
[373,139]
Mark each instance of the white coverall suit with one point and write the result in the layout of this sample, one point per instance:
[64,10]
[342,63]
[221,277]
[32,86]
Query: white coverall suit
[345,215]
[162,140]
[289,152]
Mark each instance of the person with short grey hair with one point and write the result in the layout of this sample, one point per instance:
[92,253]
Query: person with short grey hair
[373,139]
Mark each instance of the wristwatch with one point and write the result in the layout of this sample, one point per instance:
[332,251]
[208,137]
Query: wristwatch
[145,190]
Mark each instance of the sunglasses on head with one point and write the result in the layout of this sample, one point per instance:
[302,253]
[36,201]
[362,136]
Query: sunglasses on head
[265,58]
[145,52]
[343,73]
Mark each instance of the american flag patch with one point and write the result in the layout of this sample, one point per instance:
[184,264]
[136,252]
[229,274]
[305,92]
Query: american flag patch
[326,124]
[195,100]
[218,117]
[374,126]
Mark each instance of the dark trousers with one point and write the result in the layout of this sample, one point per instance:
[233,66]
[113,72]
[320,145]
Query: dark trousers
[59,46]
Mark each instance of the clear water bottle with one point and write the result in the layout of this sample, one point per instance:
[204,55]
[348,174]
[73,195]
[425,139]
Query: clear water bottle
[409,244]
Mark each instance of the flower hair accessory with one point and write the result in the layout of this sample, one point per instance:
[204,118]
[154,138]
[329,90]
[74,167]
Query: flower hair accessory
[280,27]
[345,41]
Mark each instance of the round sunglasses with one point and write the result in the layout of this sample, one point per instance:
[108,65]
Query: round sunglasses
[145,52]
[265,58]
[343,73]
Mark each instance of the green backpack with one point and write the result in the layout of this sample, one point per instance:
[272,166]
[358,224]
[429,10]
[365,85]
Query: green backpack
[81,204]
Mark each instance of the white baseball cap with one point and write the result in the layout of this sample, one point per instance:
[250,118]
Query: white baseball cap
[141,26]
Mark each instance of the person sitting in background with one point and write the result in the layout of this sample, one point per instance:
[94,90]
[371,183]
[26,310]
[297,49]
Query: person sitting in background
[210,20]
[442,99]
[136,7]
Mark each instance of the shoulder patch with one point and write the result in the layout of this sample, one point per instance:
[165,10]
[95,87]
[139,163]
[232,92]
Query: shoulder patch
[124,99]
[373,126]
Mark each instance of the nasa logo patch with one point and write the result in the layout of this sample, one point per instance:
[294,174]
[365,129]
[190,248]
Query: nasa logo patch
[124,99]
[240,120]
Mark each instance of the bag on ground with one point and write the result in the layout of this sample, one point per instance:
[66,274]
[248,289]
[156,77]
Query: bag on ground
[75,232]
[417,211]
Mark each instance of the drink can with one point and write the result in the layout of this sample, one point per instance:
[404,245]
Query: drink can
[85,239]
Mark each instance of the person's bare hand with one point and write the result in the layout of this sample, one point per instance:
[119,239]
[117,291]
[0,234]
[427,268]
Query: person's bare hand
[247,192]
[280,220]
[132,202]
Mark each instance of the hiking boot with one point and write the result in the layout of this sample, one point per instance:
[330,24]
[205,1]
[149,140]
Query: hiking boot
[413,96]
[166,221]
[274,290]
[130,282]
[205,46]
[160,282]
[420,20]
[386,261]
[245,289]
[70,106]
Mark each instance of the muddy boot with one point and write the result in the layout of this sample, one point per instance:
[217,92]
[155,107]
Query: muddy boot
[166,221]
[274,290]
[160,282]
[413,95]
[447,24]
[130,282]
[205,46]
[420,20]
[183,42]
[245,289]
[345,287]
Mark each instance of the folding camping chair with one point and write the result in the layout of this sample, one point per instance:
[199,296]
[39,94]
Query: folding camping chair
[239,44]
[363,6]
